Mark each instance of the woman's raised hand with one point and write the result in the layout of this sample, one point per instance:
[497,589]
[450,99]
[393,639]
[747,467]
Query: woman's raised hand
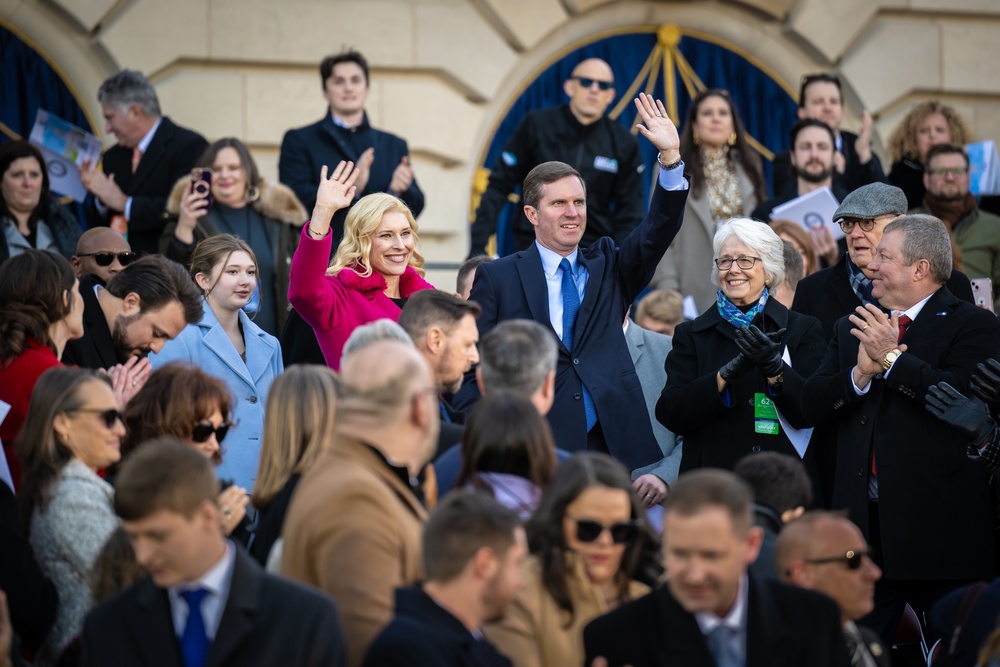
[333,194]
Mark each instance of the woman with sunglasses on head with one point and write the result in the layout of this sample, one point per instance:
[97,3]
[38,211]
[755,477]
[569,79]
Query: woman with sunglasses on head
[187,403]
[268,216]
[592,550]
[734,374]
[30,217]
[40,311]
[726,182]
[228,345]
[72,432]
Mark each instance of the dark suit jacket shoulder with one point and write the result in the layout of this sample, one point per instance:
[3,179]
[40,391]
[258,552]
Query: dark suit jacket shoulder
[786,627]
[266,621]
[95,349]
[515,287]
[424,630]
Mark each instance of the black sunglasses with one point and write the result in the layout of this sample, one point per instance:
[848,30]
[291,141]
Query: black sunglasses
[105,258]
[588,531]
[203,431]
[852,559]
[110,416]
[587,82]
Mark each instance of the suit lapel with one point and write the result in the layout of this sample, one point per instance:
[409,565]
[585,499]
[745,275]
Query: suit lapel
[935,311]
[260,349]
[637,342]
[97,324]
[152,627]
[239,614]
[154,153]
[536,290]
[765,627]
[595,270]
[682,641]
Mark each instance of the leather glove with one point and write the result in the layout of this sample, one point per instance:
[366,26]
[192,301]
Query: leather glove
[969,416]
[986,382]
[762,350]
[734,369]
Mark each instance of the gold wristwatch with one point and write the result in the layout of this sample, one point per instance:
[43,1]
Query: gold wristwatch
[890,358]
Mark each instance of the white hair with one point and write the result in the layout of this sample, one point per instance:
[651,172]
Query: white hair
[759,238]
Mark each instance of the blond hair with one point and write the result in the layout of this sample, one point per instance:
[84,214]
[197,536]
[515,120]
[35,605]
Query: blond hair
[362,220]
[298,427]
[903,142]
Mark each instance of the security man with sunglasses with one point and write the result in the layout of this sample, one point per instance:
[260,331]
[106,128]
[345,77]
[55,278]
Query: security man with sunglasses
[103,252]
[581,135]
[825,552]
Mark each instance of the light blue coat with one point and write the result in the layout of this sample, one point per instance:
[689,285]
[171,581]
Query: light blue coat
[206,346]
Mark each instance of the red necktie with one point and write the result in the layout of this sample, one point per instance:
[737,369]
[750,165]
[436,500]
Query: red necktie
[904,322]
[136,156]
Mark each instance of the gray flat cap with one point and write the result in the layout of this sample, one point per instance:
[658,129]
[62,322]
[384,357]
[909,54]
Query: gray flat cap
[872,200]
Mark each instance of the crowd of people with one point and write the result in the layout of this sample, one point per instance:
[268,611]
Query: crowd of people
[241,427]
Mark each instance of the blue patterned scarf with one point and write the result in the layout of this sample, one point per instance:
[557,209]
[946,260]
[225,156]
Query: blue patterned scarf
[733,314]
[861,285]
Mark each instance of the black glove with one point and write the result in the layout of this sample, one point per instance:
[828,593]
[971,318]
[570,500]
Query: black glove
[969,416]
[762,350]
[734,369]
[986,382]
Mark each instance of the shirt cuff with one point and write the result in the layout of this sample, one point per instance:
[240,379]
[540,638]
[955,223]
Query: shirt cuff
[858,390]
[673,179]
[128,209]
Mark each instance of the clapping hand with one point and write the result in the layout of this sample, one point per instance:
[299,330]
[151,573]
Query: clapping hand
[402,177]
[333,194]
[658,128]
[762,350]
[969,416]
[863,145]
[986,382]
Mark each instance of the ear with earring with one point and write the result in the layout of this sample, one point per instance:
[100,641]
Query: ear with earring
[253,194]
[732,139]
[697,139]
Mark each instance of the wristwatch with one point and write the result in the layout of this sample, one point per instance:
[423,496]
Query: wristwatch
[890,358]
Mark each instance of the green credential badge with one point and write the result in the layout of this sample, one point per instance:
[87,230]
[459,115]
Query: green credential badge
[765,415]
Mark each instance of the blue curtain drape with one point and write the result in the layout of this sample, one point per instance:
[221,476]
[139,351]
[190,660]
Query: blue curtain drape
[28,83]
[767,110]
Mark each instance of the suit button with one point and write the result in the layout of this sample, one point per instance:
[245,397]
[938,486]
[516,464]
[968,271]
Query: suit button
[864,420]
[577,397]
[861,472]
[576,362]
[252,399]
[755,449]
[750,402]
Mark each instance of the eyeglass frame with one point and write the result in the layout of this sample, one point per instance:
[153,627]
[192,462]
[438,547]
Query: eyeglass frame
[105,414]
[587,82]
[737,261]
[631,526]
[100,255]
[957,172]
[848,227]
[220,431]
[852,559]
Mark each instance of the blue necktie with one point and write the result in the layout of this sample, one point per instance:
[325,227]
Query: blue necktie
[194,640]
[571,305]
[722,644]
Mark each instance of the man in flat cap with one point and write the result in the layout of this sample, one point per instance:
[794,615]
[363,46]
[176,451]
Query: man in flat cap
[836,291]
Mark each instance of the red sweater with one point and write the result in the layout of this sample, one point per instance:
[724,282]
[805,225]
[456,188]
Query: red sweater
[17,380]
[335,305]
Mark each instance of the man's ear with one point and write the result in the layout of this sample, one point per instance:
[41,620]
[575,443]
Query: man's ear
[755,538]
[531,213]
[435,340]
[926,179]
[131,304]
[921,270]
[75,262]
[568,87]
[485,563]
[802,113]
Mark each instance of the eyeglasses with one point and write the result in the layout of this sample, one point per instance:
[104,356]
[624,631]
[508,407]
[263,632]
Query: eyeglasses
[109,416]
[944,171]
[852,559]
[587,82]
[203,431]
[105,258]
[847,224]
[745,263]
[588,531]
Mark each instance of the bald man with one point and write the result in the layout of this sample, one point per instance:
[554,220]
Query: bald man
[103,252]
[825,552]
[354,524]
[581,135]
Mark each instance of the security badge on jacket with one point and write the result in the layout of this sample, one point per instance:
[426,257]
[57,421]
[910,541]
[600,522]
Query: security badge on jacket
[765,415]
[607,164]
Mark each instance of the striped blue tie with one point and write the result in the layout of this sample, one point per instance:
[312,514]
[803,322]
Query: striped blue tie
[571,306]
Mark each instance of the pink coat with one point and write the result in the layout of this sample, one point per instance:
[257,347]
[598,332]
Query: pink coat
[335,305]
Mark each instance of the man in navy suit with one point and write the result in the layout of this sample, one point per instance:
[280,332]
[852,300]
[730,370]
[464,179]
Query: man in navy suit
[584,294]
[139,171]
[345,134]
[205,602]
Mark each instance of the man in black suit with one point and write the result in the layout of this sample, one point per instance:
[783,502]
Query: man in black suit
[711,612]
[584,295]
[141,308]
[826,553]
[140,170]
[473,551]
[922,504]
[821,97]
[345,134]
[205,602]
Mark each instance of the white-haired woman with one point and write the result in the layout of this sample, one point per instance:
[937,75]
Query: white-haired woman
[735,373]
